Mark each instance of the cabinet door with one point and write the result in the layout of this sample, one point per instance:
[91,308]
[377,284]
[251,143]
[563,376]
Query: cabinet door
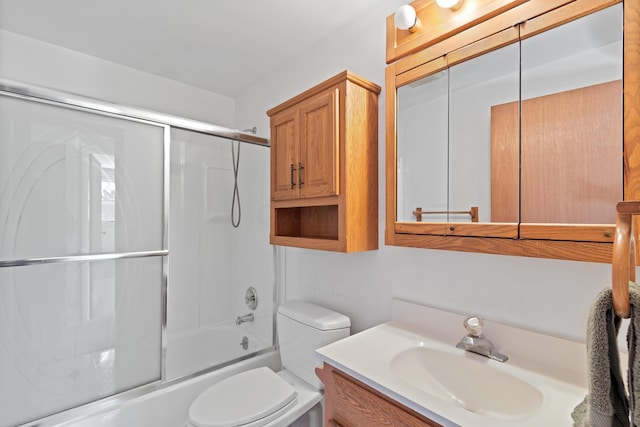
[318,165]
[349,402]
[284,155]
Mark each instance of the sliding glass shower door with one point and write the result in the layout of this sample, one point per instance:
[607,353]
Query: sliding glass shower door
[82,256]
[219,240]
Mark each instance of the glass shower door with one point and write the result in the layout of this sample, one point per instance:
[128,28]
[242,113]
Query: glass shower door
[82,248]
[213,262]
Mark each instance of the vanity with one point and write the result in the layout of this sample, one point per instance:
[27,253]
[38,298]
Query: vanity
[408,372]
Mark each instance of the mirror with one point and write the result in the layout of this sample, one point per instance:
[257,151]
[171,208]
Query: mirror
[423,147]
[518,135]
[571,122]
[444,144]
[513,129]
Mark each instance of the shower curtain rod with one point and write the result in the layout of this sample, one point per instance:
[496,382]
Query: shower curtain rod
[23,89]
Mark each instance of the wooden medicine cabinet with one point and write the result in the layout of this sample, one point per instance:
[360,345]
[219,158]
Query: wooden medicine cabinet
[324,167]
[506,132]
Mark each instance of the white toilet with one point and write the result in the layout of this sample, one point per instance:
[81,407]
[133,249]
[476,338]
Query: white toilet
[260,397]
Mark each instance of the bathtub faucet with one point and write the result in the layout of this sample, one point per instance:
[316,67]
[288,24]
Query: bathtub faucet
[476,342]
[246,318]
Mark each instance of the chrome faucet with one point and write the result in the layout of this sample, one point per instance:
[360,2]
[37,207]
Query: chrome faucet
[246,318]
[476,342]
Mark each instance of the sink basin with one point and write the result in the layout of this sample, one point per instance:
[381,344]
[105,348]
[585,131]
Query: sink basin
[413,360]
[467,380]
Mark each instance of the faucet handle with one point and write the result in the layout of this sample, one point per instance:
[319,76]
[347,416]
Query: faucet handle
[474,326]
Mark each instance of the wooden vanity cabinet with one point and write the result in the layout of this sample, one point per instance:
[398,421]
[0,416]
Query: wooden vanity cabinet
[324,167]
[350,403]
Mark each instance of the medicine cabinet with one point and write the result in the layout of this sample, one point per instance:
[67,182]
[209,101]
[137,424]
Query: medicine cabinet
[506,131]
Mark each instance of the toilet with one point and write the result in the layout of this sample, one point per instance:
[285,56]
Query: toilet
[261,397]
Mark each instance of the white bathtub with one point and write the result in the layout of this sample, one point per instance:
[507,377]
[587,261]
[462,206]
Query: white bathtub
[167,407]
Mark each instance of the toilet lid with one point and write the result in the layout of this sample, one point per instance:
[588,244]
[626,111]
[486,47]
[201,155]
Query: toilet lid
[241,399]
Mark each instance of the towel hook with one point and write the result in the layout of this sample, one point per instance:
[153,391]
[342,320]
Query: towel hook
[624,256]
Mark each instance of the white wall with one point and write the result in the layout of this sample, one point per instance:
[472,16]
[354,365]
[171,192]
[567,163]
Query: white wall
[546,295]
[32,61]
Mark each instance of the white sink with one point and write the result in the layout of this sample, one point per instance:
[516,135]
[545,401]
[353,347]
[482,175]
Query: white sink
[413,359]
[468,380]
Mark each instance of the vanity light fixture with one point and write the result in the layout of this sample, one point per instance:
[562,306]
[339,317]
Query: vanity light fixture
[450,4]
[406,18]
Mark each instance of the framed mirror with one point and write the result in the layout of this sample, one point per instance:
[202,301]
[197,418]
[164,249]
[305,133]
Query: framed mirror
[511,140]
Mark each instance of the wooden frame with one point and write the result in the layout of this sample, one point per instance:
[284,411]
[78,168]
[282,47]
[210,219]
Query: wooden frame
[491,31]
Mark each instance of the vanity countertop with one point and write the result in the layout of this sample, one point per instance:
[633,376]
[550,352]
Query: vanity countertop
[540,384]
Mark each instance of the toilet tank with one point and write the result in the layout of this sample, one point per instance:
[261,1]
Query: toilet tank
[302,328]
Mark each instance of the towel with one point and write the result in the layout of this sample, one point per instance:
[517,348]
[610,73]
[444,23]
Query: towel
[606,404]
[633,341]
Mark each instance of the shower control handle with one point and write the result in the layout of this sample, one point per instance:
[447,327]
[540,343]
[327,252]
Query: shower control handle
[293,173]
[300,178]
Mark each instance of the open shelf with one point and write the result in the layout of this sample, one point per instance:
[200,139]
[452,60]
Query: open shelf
[314,222]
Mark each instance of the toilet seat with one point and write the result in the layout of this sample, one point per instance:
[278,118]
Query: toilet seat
[251,398]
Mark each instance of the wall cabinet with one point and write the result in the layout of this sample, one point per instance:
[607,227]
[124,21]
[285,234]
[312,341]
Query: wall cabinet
[350,403]
[324,171]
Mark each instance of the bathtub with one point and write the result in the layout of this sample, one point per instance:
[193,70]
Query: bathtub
[166,404]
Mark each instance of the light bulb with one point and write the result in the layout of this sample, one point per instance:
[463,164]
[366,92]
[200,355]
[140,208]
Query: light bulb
[406,18]
[450,4]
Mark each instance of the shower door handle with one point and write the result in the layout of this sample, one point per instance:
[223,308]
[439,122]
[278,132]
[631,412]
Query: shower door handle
[293,173]
[300,177]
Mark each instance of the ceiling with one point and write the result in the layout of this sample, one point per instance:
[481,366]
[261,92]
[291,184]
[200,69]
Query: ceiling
[223,46]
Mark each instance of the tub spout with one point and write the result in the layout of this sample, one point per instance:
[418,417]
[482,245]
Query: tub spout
[246,318]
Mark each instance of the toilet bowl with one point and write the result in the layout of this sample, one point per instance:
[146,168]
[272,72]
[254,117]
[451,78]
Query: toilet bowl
[262,397]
